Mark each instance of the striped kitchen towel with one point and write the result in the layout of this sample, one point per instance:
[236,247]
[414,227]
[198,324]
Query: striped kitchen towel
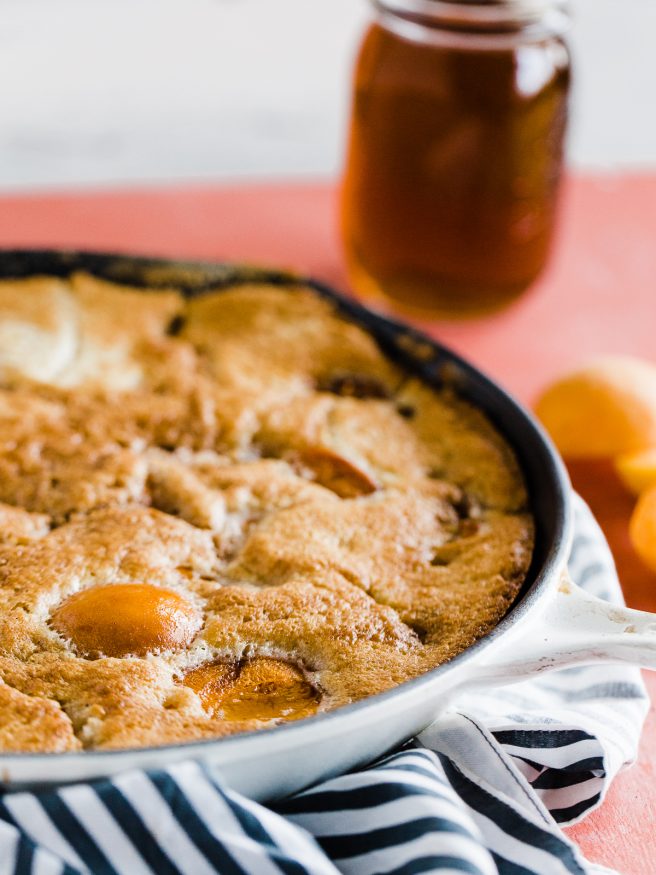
[482,791]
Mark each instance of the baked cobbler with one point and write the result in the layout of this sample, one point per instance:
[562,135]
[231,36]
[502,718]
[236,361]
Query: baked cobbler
[227,512]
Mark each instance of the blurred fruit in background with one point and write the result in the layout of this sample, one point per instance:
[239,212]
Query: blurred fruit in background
[607,409]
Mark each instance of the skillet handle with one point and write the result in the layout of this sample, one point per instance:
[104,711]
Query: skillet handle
[575,628]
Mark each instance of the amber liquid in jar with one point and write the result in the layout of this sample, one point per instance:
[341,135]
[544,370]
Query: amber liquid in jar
[453,165]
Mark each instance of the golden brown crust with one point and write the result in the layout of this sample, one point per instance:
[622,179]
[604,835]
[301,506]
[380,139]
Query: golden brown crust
[35,724]
[328,525]
[17,526]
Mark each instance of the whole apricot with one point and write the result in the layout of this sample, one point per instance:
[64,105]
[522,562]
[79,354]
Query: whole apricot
[605,408]
[637,470]
[642,527]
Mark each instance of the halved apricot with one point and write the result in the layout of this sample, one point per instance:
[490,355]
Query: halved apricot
[340,475]
[126,619]
[603,409]
[642,527]
[637,470]
[259,689]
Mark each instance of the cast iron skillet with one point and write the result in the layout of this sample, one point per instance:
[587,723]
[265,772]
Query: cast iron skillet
[320,745]
[546,478]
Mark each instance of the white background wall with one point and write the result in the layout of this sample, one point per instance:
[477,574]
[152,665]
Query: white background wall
[115,91]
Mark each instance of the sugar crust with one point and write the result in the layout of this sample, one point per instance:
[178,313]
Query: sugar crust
[266,461]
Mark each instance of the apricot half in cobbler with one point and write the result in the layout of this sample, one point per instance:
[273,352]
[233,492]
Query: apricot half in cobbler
[126,619]
[257,689]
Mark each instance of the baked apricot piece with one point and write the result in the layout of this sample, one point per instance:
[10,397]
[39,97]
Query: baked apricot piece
[603,409]
[259,689]
[336,473]
[126,619]
[642,527]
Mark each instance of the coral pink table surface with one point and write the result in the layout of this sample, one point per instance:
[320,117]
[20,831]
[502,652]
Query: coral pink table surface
[598,296]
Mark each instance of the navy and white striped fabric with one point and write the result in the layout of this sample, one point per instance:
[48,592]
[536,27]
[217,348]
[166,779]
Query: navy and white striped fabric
[481,791]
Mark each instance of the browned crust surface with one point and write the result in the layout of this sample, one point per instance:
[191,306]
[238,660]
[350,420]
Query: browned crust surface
[267,463]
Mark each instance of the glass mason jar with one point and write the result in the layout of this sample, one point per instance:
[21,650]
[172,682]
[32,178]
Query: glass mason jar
[455,152]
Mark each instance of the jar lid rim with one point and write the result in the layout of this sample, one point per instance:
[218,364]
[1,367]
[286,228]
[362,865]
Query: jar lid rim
[475,11]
